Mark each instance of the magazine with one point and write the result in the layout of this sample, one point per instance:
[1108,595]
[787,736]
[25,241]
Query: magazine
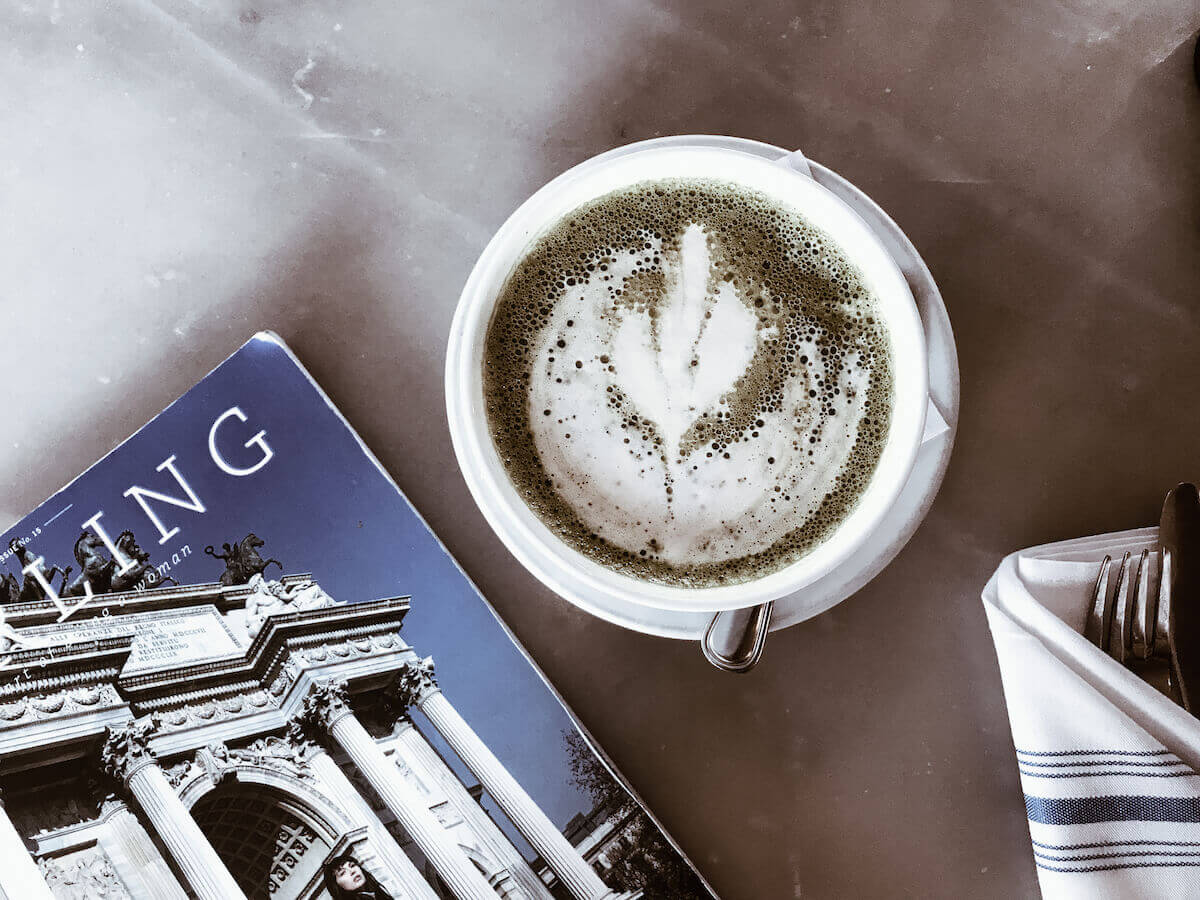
[234,662]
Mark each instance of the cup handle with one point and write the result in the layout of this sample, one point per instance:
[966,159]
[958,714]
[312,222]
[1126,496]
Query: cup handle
[735,638]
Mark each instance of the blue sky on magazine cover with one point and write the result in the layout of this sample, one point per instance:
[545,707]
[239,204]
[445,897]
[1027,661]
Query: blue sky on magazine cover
[322,506]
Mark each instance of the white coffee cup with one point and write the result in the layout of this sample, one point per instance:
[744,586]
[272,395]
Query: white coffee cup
[556,564]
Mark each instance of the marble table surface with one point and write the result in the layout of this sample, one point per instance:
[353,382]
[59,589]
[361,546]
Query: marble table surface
[176,174]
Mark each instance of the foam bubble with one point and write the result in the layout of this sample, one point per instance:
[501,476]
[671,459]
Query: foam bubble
[687,382]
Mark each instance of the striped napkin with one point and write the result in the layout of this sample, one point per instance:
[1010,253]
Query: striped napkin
[1108,764]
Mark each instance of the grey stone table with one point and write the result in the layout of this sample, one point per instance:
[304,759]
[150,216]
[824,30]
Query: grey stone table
[177,174]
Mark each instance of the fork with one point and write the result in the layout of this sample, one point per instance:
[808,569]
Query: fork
[1130,621]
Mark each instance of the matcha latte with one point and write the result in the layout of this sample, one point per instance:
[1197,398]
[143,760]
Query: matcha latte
[688,382]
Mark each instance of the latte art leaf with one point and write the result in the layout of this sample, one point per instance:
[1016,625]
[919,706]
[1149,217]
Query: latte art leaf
[688,383]
[676,364]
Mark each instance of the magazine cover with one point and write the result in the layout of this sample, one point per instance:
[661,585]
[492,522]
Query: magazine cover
[236,663]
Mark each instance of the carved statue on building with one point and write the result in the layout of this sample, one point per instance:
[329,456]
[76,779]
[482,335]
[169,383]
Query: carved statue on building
[84,875]
[275,752]
[242,560]
[214,759]
[217,761]
[95,567]
[142,567]
[100,572]
[30,589]
[268,598]
[10,588]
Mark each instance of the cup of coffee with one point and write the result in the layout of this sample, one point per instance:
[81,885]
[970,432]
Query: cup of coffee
[685,377]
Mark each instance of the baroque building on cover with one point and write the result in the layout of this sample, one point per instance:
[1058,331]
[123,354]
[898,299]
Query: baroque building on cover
[225,741]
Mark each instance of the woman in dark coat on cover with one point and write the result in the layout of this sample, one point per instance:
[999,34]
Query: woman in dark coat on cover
[346,880]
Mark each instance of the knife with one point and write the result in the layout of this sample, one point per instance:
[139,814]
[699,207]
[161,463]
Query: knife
[1179,534]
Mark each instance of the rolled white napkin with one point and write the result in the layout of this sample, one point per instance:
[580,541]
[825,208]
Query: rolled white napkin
[1108,764]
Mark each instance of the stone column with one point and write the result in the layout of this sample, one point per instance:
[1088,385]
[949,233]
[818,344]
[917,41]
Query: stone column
[20,877]
[327,707]
[126,756]
[136,857]
[424,759]
[394,859]
[418,687]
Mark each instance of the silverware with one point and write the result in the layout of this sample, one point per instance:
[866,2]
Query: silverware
[735,638]
[1179,533]
[1156,631]
[1098,627]
[1125,620]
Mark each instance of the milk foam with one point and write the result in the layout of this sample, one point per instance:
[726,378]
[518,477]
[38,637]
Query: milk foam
[674,407]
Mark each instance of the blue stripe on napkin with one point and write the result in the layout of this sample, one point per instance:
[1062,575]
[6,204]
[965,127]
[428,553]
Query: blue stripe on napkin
[1127,808]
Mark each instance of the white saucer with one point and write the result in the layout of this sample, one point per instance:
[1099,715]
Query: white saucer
[926,477]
